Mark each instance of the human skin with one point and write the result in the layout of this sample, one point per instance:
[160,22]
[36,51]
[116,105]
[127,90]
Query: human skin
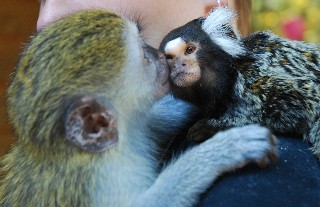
[156,17]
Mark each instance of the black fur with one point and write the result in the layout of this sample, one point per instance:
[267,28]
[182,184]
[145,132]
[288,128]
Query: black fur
[274,82]
[216,67]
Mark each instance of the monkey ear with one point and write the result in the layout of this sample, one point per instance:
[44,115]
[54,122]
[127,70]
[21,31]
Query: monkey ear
[91,125]
[218,25]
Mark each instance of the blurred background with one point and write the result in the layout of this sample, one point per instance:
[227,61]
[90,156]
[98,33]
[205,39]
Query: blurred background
[17,22]
[295,19]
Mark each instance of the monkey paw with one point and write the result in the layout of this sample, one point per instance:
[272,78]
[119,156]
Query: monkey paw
[201,131]
[251,143]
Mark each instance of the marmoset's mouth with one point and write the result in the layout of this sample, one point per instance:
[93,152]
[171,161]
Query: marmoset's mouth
[183,78]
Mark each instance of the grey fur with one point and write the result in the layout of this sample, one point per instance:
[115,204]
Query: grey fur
[45,169]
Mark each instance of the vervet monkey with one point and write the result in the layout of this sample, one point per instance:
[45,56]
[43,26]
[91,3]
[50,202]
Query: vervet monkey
[80,101]
[262,78]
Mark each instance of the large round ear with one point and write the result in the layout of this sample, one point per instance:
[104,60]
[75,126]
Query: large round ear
[91,125]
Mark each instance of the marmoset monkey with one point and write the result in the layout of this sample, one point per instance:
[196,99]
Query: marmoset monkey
[261,79]
[81,100]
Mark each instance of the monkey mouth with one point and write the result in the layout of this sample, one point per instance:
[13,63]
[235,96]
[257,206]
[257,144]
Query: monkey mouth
[177,74]
[162,69]
[165,83]
[182,78]
[163,77]
[154,56]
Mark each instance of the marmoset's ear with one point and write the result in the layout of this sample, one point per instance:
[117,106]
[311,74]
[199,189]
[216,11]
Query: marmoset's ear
[91,125]
[221,30]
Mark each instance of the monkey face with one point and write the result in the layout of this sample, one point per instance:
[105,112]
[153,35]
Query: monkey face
[154,60]
[146,69]
[199,57]
[182,60]
[81,71]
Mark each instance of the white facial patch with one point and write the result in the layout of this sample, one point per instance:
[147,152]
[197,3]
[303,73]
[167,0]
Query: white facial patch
[175,47]
[217,25]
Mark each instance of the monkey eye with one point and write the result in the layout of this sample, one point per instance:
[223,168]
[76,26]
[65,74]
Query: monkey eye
[190,49]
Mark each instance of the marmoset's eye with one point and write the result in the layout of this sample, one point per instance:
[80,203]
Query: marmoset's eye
[190,49]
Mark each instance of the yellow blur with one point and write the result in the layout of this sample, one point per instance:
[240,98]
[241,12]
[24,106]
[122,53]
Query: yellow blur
[273,14]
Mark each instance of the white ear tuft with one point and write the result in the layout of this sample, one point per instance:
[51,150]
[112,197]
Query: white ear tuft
[218,25]
[219,21]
